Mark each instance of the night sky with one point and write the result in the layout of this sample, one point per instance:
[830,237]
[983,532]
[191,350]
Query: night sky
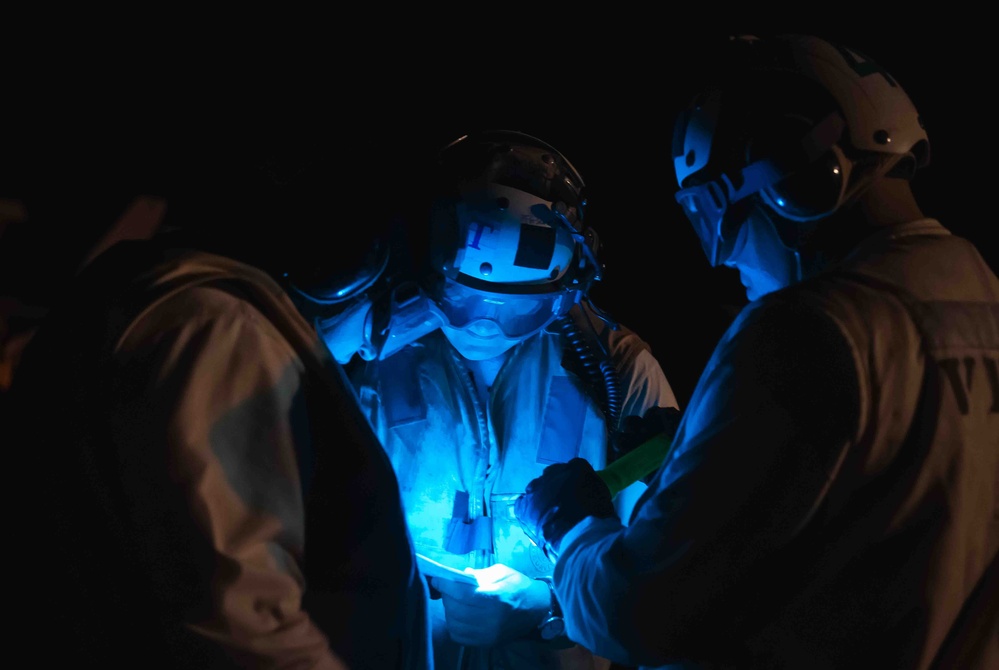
[94,130]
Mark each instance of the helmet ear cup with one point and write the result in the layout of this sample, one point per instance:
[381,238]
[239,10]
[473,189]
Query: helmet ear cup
[813,191]
[329,283]
[813,187]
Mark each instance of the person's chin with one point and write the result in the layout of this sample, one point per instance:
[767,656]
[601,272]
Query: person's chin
[477,352]
[761,287]
[476,348]
[751,292]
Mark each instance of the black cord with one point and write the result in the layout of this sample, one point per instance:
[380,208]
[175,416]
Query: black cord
[597,370]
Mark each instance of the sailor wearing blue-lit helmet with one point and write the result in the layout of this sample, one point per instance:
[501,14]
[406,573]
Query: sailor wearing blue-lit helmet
[525,371]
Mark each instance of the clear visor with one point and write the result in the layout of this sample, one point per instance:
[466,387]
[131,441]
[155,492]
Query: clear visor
[517,315]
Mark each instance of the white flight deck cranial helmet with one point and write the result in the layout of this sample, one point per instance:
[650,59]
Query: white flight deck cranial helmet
[797,127]
[507,238]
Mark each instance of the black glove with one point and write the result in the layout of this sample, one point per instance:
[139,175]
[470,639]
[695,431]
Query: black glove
[635,430]
[564,495]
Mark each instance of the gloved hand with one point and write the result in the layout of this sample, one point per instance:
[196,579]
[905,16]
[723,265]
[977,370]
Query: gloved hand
[564,495]
[506,605]
[635,430]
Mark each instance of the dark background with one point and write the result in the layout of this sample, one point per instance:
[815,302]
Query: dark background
[90,124]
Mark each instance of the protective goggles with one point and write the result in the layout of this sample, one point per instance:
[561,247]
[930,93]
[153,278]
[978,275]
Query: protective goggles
[706,204]
[516,314]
